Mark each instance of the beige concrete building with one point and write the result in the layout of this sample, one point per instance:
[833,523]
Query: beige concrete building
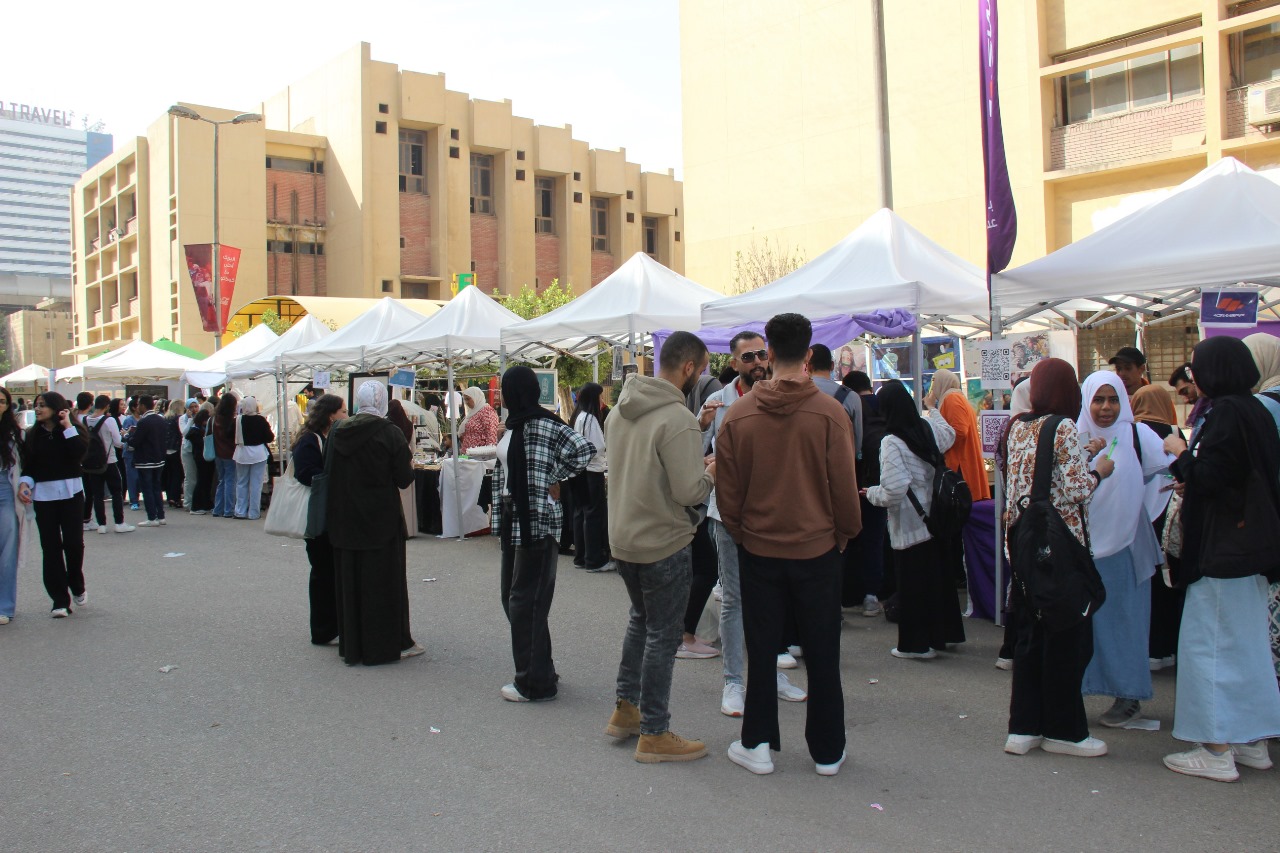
[1104,102]
[363,180]
[38,337]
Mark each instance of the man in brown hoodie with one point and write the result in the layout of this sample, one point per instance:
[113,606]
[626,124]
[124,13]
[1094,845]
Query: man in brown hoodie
[787,494]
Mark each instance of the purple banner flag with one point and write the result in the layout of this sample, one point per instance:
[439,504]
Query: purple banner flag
[1002,218]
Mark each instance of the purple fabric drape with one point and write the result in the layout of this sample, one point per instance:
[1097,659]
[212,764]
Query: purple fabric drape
[832,331]
[1002,218]
[980,558]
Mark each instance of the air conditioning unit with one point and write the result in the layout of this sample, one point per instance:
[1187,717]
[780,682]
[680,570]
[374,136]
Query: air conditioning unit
[1264,104]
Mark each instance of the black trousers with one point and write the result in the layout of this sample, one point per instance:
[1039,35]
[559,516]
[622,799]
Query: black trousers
[703,577]
[323,587]
[928,607]
[864,558]
[590,520]
[566,524]
[202,497]
[99,485]
[1166,618]
[811,588]
[1048,668]
[528,584]
[61,526]
[173,479]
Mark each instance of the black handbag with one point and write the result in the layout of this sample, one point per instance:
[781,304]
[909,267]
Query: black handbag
[318,508]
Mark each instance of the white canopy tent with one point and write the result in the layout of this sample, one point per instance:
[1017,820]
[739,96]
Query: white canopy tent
[346,348]
[212,371]
[135,362]
[884,263]
[1219,228]
[304,333]
[470,325]
[32,374]
[639,297]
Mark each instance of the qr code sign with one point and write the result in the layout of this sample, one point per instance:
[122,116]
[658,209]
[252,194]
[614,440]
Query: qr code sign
[997,364]
[992,426]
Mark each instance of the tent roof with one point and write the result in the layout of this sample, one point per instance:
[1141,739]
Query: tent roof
[335,309]
[884,263]
[212,371]
[640,296]
[471,322]
[1219,228]
[347,347]
[26,375]
[137,361]
[170,346]
[303,333]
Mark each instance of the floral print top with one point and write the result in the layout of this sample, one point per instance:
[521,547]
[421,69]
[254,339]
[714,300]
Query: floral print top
[481,429]
[1072,484]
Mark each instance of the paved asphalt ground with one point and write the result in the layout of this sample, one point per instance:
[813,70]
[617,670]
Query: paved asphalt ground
[261,741]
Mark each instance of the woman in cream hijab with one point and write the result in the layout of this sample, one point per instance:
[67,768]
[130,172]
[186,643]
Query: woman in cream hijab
[1265,350]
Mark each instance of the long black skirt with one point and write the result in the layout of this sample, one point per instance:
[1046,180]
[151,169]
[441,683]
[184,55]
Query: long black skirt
[373,604]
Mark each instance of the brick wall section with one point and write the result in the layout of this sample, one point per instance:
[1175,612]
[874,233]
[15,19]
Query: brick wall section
[415,230]
[484,250]
[602,265]
[310,188]
[1237,118]
[547,258]
[1140,133]
[310,275]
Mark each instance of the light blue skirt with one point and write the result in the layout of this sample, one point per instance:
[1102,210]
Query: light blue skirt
[1227,690]
[1121,632]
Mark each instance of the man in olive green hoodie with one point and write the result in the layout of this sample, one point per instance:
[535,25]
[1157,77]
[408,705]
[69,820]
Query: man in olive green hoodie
[657,481]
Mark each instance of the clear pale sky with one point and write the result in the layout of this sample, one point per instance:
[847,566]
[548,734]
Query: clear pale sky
[611,68]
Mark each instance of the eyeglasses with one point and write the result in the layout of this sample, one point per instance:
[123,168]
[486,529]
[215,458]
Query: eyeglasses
[754,355]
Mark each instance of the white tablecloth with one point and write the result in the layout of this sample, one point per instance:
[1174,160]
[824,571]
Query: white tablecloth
[471,477]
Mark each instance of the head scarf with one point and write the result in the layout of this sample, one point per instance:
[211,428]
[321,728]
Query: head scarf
[396,414]
[1020,403]
[249,406]
[1223,367]
[1151,404]
[1121,507]
[1265,350]
[1055,390]
[371,399]
[520,393]
[476,396]
[944,382]
[902,419]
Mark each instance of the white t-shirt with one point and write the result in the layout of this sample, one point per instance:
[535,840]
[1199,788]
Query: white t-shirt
[503,444]
[109,435]
[588,426]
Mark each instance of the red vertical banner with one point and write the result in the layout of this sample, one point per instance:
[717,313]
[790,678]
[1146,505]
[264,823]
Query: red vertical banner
[229,258]
[200,269]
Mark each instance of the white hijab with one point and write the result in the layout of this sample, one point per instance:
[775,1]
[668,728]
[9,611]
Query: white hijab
[371,399]
[1020,402]
[476,396]
[1118,512]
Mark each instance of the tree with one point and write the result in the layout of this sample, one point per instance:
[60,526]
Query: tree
[763,262]
[573,372]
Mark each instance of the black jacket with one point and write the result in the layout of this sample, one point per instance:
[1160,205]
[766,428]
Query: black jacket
[49,455]
[369,463]
[149,439]
[256,430]
[307,459]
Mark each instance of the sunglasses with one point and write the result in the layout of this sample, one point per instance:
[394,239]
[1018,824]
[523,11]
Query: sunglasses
[754,355]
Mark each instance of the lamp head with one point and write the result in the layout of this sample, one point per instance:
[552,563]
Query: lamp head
[247,118]
[184,112]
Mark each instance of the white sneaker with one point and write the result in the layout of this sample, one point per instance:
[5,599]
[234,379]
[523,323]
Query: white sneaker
[82,599]
[162,522]
[102,529]
[1005,664]
[1090,747]
[1158,664]
[795,651]
[718,591]
[1022,744]
[59,613]
[929,655]
[148,523]
[757,760]
[871,606]
[788,692]
[786,660]
[1203,763]
[90,526]
[1253,755]
[830,769]
[733,700]
[125,528]
[4,620]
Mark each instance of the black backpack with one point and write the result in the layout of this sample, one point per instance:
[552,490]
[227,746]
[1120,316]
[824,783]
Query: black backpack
[1054,572]
[952,502]
[95,459]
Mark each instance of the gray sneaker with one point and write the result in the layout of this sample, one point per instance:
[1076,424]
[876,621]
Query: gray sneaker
[1121,712]
[871,606]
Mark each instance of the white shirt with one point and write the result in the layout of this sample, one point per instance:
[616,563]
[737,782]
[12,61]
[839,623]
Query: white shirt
[503,444]
[588,426]
[109,435]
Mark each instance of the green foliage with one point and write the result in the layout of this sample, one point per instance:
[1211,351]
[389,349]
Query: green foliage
[764,262]
[530,303]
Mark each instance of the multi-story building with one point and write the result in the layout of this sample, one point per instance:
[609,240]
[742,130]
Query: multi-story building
[39,337]
[362,180]
[1105,103]
[41,157]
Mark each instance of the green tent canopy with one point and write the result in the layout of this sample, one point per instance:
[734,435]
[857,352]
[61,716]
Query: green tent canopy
[166,344]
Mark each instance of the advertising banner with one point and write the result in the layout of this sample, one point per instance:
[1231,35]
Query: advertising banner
[230,258]
[200,269]
[1002,218]
[1238,308]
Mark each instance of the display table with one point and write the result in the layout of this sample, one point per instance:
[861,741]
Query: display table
[980,559]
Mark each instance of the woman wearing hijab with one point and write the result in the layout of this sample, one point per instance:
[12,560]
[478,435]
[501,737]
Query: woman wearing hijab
[1227,701]
[408,499]
[480,427]
[251,455]
[929,611]
[307,461]
[1153,406]
[1046,708]
[535,453]
[946,399]
[590,509]
[368,462]
[1125,548]
[1265,350]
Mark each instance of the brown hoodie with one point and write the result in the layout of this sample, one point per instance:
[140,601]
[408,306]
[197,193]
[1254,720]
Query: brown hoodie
[785,481]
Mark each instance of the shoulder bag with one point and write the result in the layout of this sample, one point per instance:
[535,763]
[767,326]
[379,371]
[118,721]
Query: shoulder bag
[290,507]
[318,505]
[210,451]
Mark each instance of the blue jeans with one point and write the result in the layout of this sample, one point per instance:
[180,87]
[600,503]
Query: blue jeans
[732,644]
[249,489]
[8,547]
[659,594]
[149,480]
[131,479]
[224,499]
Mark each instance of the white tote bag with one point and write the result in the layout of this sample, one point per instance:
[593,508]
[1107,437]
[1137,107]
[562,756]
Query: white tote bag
[287,515]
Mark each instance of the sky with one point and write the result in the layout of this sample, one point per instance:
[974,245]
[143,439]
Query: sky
[610,68]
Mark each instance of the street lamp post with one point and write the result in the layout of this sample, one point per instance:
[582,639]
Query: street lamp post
[243,118]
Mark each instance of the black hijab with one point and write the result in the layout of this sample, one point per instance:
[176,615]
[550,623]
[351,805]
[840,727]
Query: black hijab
[520,393]
[902,419]
[1223,367]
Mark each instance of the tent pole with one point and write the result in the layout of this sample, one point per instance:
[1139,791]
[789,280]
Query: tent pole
[457,448]
[917,364]
[997,494]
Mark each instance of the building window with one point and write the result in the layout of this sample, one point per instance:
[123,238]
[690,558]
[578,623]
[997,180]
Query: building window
[1255,55]
[650,225]
[599,224]
[304,248]
[482,183]
[413,165]
[387,286]
[292,164]
[413,290]
[280,247]
[544,206]
[379,127]
[1146,81]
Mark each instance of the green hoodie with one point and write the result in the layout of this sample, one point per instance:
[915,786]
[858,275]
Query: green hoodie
[657,479]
